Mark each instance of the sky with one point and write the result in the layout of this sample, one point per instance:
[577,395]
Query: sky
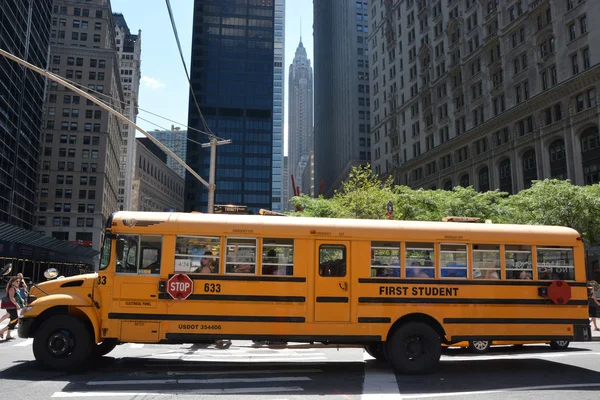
[164,86]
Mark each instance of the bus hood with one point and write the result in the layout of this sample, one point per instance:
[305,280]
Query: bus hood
[62,285]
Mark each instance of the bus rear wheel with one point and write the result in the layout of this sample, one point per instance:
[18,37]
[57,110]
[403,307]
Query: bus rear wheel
[559,344]
[414,348]
[479,346]
[62,342]
[377,351]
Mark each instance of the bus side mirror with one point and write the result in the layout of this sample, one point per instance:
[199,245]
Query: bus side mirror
[120,248]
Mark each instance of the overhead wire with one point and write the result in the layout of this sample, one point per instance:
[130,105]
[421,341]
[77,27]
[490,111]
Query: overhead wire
[124,103]
[185,67]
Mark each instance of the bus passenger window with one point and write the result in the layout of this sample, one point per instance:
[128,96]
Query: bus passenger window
[128,264]
[486,261]
[197,254]
[419,260]
[241,256]
[151,247]
[555,263]
[385,259]
[278,257]
[332,260]
[453,260]
[518,261]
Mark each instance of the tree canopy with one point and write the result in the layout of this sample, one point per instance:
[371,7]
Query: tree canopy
[547,202]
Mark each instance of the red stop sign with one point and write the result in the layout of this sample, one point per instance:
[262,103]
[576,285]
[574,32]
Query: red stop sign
[180,286]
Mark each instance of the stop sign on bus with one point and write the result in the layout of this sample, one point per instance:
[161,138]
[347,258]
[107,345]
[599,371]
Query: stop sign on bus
[180,286]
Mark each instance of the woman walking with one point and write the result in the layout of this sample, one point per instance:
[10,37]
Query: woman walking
[12,292]
[593,303]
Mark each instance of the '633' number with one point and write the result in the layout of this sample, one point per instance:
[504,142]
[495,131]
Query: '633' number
[212,287]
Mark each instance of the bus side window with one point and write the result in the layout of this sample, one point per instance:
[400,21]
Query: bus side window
[453,260]
[240,256]
[332,260]
[150,255]
[555,263]
[385,259]
[419,260]
[278,257]
[486,261]
[518,262]
[128,264]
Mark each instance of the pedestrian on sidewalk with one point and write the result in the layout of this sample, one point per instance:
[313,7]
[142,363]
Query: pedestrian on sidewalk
[593,304]
[12,292]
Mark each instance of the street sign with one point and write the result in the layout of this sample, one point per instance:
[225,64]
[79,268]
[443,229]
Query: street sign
[180,286]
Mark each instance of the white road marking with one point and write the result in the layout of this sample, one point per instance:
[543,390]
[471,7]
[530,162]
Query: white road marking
[27,342]
[380,381]
[255,371]
[242,359]
[137,345]
[513,389]
[197,381]
[194,394]
[519,356]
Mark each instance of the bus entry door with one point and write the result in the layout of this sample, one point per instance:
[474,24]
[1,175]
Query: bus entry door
[332,288]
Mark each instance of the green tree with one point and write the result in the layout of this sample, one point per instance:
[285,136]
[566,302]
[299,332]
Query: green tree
[556,202]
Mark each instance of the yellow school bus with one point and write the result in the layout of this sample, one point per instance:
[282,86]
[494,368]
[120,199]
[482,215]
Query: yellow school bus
[400,289]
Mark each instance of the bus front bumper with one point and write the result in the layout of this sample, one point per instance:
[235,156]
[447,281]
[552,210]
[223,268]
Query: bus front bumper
[24,327]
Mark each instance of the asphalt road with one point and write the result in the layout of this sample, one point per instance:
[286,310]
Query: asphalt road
[136,371]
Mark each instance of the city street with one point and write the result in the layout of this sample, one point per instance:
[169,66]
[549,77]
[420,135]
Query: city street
[197,371]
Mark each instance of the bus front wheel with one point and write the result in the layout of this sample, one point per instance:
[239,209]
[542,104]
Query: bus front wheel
[377,351]
[62,342]
[414,348]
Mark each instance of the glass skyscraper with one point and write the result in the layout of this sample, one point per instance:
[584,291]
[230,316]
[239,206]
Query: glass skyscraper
[24,32]
[232,73]
[278,95]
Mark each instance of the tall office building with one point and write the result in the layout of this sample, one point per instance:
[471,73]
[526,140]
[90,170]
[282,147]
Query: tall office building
[176,141]
[341,90]
[24,32]
[300,113]
[278,110]
[490,94]
[80,151]
[129,49]
[232,78]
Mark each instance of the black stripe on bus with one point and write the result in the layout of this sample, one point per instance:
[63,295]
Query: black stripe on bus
[192,337]
[250,278]
[429,300]
[193,317]
[529,321]
[238,297]
[507,338]
[331,299]
[476,282]
[374,320]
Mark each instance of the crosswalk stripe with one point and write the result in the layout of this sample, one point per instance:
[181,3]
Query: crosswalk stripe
[137,345]
[194,394]
[240,359]
[26,342]
[197,381]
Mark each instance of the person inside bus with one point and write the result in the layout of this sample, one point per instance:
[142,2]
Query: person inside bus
[525,275]
[208,265]
[270,266]
[415,271]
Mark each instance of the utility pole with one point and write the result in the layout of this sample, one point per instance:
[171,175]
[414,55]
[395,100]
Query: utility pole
[213,141]
[213,161]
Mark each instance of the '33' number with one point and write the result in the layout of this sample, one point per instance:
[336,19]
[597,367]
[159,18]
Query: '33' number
[101,280]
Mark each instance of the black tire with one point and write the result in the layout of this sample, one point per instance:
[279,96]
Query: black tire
[559,344]
[479,346]
[414,348]
[377,351]
[62,343]
[103,348]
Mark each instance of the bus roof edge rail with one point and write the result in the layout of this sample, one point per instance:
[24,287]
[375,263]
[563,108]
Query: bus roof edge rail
[460,219]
